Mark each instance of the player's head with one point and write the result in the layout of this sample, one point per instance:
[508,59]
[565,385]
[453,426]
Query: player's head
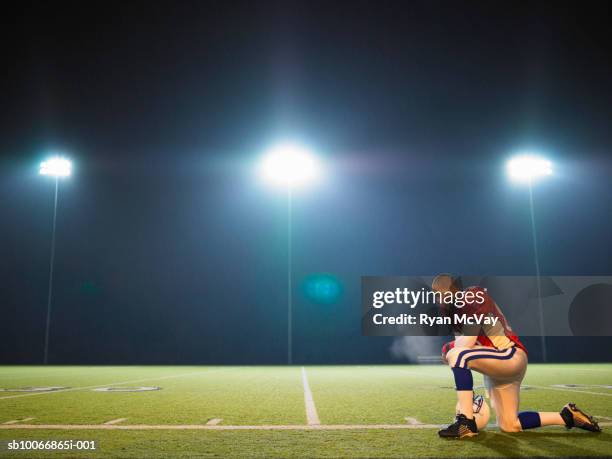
[443,283]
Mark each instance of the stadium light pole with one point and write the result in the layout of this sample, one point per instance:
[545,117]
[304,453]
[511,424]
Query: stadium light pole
[56,167]
[289,165]
[528,168]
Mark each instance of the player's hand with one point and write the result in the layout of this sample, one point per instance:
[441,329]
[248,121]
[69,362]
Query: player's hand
[445,348]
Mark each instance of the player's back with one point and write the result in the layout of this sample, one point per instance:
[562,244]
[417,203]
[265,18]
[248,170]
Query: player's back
[497,334]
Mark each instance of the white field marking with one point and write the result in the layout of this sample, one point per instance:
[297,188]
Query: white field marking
[573,390]
[17,421]
[222,427]
[214,422]
[218,427]
[114,421]
[416,373]
[312,418]
[70,389]
[592,369]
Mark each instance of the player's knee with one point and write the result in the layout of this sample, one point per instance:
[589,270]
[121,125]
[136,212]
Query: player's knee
[453,354]
[509,425]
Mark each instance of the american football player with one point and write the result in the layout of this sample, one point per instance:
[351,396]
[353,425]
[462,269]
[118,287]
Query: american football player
[497,353]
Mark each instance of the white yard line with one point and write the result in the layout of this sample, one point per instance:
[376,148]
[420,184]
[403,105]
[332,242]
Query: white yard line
[312,418]
[214,422]
[70,389]
[17,421]
[114,421]
[572,390]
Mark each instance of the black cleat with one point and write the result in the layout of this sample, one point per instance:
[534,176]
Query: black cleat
[575,417]
[462,427]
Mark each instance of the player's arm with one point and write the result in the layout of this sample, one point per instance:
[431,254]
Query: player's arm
[460,341]
[465,341]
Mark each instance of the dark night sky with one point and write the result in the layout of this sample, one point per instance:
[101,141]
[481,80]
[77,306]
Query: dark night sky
[170,251]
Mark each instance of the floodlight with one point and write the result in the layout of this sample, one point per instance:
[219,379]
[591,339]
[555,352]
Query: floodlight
[525,168]
[289,164]
[56,166]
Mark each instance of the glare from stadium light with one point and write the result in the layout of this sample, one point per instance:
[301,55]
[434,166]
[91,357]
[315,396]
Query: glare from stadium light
[290,164]
[56,166]
[526,168]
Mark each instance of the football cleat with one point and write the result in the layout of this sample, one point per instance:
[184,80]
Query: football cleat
[575,417]
[462,427]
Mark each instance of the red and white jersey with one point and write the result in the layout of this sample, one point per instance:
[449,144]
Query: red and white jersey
[498,336]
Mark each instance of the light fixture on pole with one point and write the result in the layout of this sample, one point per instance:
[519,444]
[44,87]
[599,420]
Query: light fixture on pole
[289,165]
[528,168]
[56,167]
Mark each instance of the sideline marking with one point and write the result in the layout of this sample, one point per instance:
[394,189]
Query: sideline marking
[312,418]
[114,421]
[222,427]
[217,427]
[70,389]
[16,421]
[214,422]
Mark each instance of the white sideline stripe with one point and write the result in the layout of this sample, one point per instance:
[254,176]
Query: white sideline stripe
[114,421]
[70,389]
[573,390]
[218,427]
[222,427]
[312,418]
[214,422]
[16,421]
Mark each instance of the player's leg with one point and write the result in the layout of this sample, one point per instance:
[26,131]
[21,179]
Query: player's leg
[503,379]
[505,402]
[507,364]
[464,381]
[570,416]
[504,393]
[462,360]
[465,424]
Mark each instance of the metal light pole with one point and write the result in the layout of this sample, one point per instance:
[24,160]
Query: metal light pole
[289,165]
[526,168]
[55,167]
[537,267]
[289,282]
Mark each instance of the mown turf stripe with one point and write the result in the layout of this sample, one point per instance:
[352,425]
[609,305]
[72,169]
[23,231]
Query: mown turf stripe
[312,417]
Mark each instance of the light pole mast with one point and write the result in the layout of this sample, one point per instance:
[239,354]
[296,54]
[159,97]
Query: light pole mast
[50,289]
[289,282]
[55,167]
[289,165]
[526,168]
[537,267]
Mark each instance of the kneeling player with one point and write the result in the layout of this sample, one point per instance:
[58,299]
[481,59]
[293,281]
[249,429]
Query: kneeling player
[497,353]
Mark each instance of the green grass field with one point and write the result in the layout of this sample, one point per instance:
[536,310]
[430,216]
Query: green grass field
[261,411]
